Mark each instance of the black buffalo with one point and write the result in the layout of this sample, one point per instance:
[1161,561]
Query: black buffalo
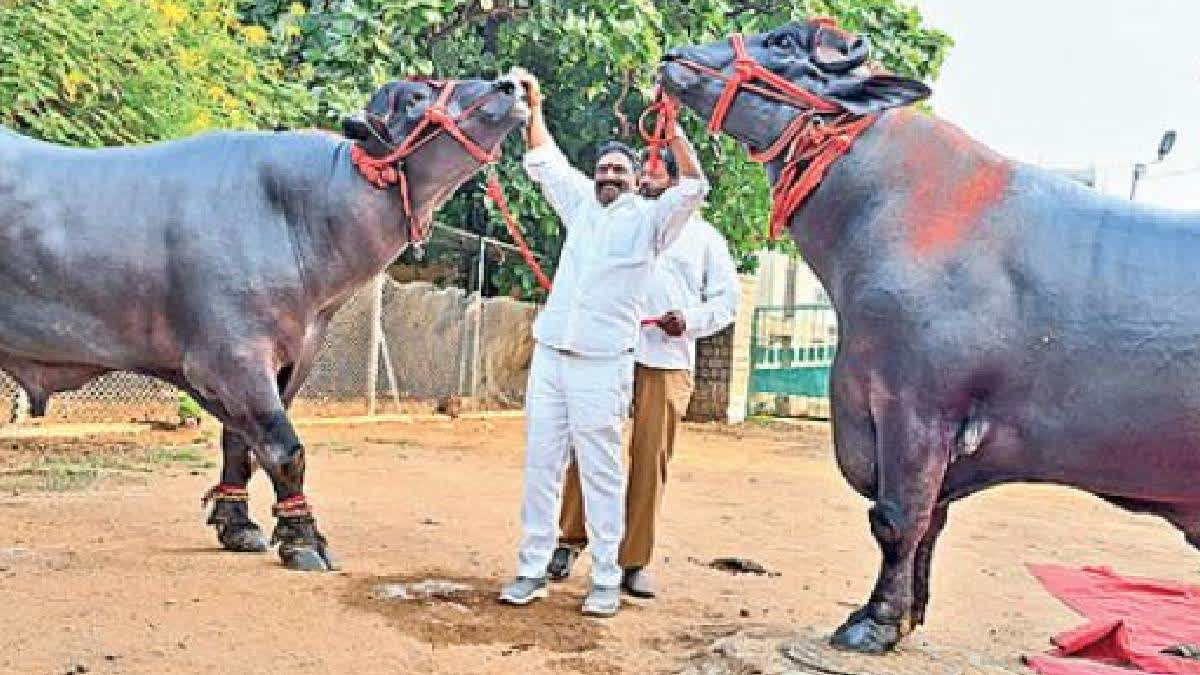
[215,263]
[998,323]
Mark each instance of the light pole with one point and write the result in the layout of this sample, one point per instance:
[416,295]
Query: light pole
[1139,169]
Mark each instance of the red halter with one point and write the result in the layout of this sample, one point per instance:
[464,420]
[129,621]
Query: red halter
[667,110]
[496,194]
[383,172]
[809,145]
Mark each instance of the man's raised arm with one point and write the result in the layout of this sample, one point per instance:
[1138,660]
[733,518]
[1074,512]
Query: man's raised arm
[677,203]
[563,185]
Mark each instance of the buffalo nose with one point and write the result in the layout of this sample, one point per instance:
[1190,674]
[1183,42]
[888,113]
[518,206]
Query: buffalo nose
[673,54]
[507,86]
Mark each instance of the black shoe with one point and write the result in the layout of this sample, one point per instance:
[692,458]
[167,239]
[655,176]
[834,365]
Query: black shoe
[638,583]
[561,562]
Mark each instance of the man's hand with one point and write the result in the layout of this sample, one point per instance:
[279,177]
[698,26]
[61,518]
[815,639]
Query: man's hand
[533,88]
[672,323]
[536,134]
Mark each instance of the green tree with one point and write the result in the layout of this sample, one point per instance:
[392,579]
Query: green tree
[111,72]
[106,72]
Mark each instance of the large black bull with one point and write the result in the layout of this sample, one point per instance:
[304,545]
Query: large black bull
[998,323]
[215,263]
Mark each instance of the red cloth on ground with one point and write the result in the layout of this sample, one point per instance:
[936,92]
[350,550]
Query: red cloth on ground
[1130,622]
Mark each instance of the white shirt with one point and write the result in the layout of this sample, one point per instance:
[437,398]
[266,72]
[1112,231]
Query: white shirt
[695,275]
[596,307]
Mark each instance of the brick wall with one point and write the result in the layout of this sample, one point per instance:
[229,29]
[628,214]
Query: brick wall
[710,399]
[722,373]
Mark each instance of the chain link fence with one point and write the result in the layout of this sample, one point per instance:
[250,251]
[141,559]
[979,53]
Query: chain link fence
[420,339]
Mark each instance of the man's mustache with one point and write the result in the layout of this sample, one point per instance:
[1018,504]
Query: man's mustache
[601,184]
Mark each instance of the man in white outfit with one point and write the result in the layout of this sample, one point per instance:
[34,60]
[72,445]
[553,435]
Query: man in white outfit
[581,378]
[695,293]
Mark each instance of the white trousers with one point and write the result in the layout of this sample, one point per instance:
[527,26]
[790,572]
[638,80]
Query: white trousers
[575,402]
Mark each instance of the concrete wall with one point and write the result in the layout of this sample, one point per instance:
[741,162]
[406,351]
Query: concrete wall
[430,335]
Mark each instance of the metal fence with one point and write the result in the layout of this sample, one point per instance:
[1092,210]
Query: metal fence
[425,340]
[791,354]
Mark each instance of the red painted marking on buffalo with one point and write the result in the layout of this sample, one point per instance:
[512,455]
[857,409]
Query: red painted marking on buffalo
[953,181]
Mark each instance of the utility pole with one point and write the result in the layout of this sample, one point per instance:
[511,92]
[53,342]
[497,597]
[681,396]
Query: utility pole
[1139,169]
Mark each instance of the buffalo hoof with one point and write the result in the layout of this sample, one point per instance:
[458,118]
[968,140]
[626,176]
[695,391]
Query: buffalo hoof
[303,559]
[243,538]
[301,545]
[863,634]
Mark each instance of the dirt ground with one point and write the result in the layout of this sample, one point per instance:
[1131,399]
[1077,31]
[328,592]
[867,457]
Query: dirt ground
[106,565]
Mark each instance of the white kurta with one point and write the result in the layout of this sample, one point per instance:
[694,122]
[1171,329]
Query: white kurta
[581,378]
[609,255]
[696,276]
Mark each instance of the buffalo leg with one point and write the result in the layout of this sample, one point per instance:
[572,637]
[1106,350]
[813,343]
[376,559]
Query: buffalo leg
[296,530]
[231,510]
[253,409]
[923,563]
[231,513]
[911,458]
[301,545]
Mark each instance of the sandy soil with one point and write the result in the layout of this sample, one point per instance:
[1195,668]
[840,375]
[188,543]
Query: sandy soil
[106,566]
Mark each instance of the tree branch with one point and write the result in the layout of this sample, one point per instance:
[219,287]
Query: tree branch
[761,7]
[468,12]
[621,117]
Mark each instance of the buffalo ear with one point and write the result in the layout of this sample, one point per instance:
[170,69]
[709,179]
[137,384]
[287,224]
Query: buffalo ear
[371,131]
[832,60]
[877,93]
[355,127]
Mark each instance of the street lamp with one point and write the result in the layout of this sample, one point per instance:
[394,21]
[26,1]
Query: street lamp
[1164,149]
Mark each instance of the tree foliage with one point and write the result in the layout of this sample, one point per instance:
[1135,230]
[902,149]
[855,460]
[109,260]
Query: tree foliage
[111,72]
[104,72]
[596,60]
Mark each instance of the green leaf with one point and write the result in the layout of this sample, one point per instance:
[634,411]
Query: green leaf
[137,92]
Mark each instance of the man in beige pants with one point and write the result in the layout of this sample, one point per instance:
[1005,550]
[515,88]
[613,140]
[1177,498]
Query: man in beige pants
[694,293]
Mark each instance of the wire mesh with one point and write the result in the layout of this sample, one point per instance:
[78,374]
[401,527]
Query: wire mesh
[441,341]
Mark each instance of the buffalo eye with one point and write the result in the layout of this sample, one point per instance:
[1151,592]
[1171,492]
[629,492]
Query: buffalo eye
[784,42]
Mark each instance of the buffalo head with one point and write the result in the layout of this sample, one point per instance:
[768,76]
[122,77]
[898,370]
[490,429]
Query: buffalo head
[398,107]
[823,59]
[485,111]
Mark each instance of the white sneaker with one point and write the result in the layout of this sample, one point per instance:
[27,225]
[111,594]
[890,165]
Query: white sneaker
[602,601]
[524,590]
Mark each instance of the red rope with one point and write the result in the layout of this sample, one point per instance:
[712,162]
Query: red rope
[496,193]
[383,172]
[296,505]
[225,492]
[805,140]
[821,147]
[666,110]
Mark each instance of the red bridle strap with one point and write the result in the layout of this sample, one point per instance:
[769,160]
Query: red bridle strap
[667,111]
[746,71]
[819,146]
[808,146]
[496,194]
[383,172]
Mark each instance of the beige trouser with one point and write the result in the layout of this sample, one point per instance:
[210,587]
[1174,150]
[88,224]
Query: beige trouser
[660,399]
